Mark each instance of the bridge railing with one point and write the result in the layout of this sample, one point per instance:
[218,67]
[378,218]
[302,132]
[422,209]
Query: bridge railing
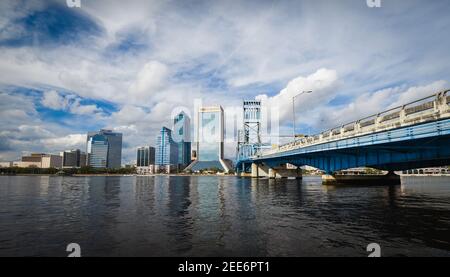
[429,108]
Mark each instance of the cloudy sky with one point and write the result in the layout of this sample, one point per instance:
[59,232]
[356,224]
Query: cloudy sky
[126,65]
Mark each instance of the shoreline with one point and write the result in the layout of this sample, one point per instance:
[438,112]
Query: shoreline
[194,175]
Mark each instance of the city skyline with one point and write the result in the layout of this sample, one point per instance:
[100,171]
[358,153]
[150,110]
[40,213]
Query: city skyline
[107,69]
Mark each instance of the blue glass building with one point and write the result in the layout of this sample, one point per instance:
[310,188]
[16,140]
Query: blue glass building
[97,149]
[166,149]
[114,141]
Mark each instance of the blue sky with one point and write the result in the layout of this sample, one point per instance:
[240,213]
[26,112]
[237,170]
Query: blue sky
[127,65]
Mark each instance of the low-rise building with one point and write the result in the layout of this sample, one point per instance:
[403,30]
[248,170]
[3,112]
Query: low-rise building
[26,164]
[40,160]
[167,169]
[6,164]
[33,157]
[146,170]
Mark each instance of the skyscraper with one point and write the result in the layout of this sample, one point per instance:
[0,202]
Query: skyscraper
[114,142]
[97,149]
[73,158]
[182,136]
[166,149]
[210,137]
[145,156]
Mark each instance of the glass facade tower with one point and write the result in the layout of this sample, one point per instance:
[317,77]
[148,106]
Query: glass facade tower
[97,149]
[73,158]
[210,134]
[145,156]
[182,136]
[166,148]
[114,141]
[210,138]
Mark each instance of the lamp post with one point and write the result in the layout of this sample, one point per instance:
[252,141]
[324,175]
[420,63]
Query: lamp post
[293,109]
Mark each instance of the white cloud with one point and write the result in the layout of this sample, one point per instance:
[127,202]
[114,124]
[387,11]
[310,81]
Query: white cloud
[149,80]
[70,141]
[71,103]
[129,114]
[321,83]
[77,108]
[54,100]
[367,104]
[23,131]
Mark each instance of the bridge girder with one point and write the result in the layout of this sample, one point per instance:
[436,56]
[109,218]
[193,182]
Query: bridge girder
[404,155]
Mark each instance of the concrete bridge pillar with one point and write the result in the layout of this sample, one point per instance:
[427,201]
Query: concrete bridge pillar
[273,173]
[259,170]
[254,170]
[284,172]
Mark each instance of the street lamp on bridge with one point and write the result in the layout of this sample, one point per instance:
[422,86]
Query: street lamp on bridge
[293,109]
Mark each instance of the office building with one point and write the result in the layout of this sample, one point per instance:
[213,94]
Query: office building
[166,156]
[146,170]
[97,150]
[6,164]
[73,158]
[34,157]
[145,156]
[210,137]
[40,160]
[51,161]
[182,136]
[114,145]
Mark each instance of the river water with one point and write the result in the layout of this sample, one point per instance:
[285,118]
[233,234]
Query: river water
[221,216]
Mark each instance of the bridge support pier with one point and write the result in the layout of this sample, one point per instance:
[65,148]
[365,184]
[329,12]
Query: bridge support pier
[283,172]
[389,179]
[261,170]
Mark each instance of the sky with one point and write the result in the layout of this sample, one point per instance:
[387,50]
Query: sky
[126,65]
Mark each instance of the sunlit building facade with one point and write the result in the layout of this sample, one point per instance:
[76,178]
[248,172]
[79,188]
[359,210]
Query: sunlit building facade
[166,153]
[97,149]
[210,138]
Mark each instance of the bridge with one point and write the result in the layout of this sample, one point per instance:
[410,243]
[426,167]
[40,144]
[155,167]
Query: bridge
[414,135]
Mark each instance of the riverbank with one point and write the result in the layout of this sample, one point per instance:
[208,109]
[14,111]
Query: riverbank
[194,175]
[118,175]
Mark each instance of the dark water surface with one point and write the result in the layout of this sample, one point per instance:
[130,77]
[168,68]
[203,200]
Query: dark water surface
[221,216]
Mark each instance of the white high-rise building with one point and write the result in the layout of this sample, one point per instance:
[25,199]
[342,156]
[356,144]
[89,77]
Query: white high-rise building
[210,137]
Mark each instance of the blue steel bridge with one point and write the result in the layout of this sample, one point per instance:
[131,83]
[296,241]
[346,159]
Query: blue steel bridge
[414,135]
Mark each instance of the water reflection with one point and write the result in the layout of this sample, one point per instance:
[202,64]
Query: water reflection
[221,216]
